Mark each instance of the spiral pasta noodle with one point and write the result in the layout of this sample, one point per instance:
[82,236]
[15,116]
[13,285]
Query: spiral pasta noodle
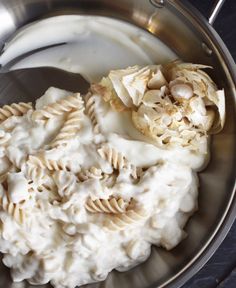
[15,109]
[50,164]
[60,107]
[106,180]
[65,182]
[79,182]
[35,174]
[92,172]
[122,220]
[90,109]
[12,209]
[71,126]
[112,205]
[47,186]
[117,160]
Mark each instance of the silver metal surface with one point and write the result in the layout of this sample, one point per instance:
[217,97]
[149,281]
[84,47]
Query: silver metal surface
[157,3]
[40,79]
[215,11]
[179,26]
[206,49]
[7,67]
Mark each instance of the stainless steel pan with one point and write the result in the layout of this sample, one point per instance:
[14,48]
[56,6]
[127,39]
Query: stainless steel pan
[182,28]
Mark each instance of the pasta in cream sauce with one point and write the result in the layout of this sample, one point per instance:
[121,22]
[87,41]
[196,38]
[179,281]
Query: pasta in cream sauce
[111,172]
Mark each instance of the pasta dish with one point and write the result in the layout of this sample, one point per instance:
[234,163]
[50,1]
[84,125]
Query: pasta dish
[84,177]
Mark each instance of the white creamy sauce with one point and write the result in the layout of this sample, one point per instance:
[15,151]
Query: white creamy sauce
[117,124]
[59,240]
[94,45]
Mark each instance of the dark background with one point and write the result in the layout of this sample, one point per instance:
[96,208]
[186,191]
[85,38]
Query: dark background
[220,271]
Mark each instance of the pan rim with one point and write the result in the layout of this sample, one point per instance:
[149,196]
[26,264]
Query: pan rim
[229,215]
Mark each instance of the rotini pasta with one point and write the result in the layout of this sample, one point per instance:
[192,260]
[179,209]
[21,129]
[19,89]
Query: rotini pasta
[47,186]
[12,209]
[78,180]
[92,172]
[15,109]
[107,180]
[71,126]
[115,158]
[65,182]
[112,205]
[50,164]
[60,107]
[118,160]
[90,110]
[129,218]
[35,174]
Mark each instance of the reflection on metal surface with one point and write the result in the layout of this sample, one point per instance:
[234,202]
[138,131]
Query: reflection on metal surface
[158,3]
[29,84]
[206,49]
[154,24]
[7,22]
[7,67]
[215,11]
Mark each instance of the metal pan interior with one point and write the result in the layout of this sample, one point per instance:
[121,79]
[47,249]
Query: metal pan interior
[182,29]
